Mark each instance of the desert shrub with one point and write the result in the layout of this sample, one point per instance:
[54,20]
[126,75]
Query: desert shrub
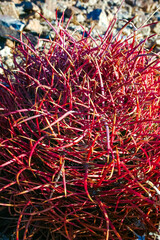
[80,138]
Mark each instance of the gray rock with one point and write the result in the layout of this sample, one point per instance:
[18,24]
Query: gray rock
[156,28]
[11,22]
[72,11]
[27,6]
[158,42]
[6,33]
[145,31]
[92,2]
[51,5]
[95,14]
[20,9]
[104,20]
[79,5]
[68,12]
[157,15]
[29,9]
[126,31]
[6,51]
[131,2]
[101,19]
[34,25]
[8,8]
[145,5]
[80,18]
[47,12]
[125,13]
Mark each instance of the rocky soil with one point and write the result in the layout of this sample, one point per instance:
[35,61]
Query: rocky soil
[18,16]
